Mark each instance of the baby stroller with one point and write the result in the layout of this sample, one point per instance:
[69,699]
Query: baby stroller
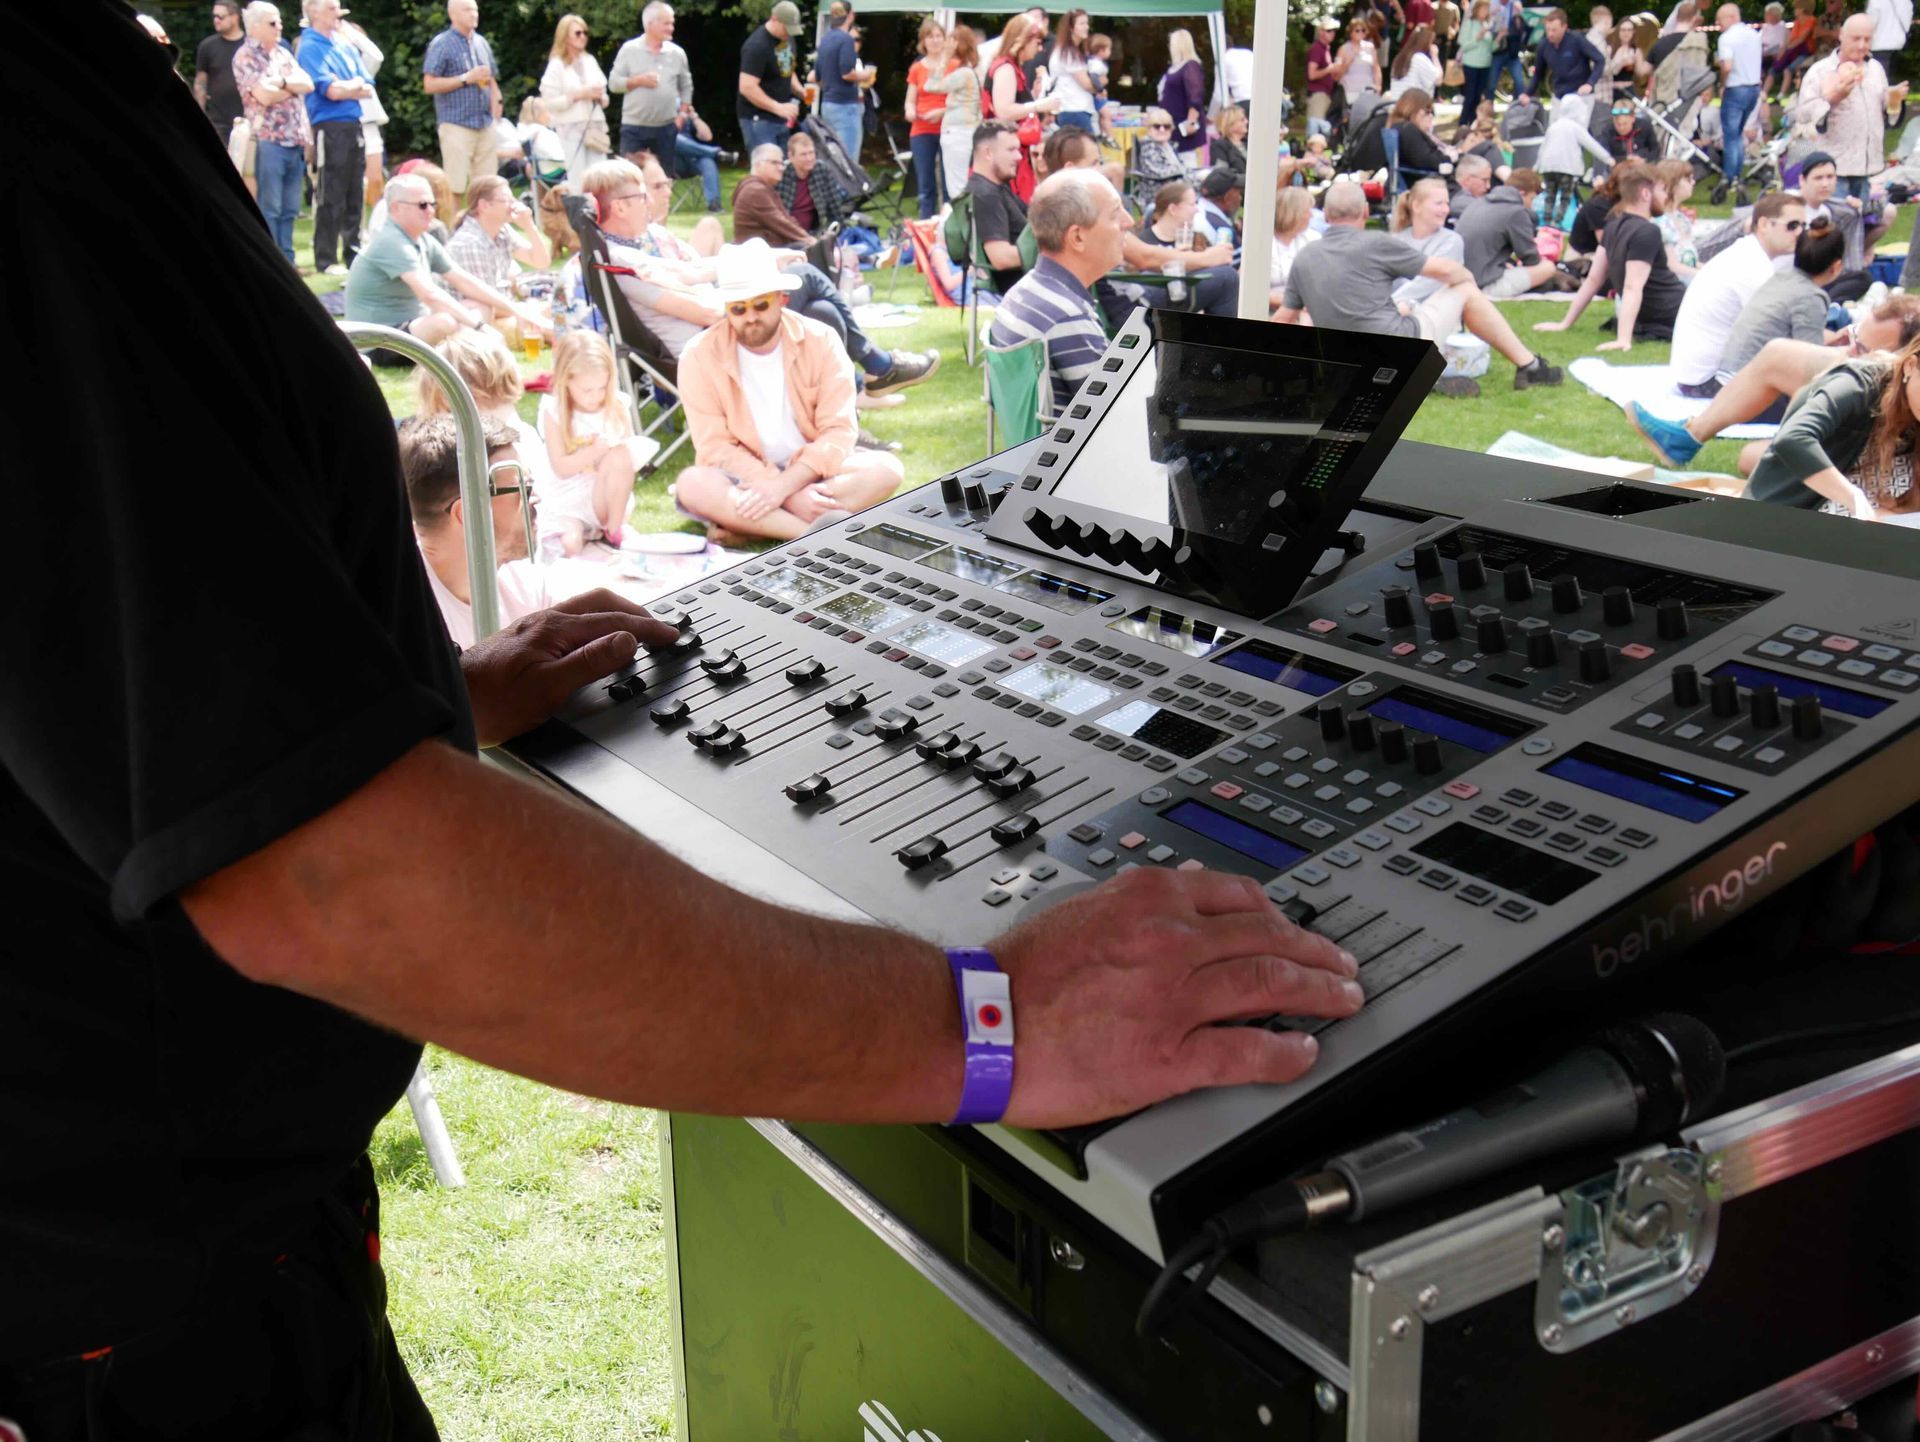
[860,187]
[1678,123]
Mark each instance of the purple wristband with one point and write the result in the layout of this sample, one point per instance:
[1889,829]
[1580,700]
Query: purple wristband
[986,1016]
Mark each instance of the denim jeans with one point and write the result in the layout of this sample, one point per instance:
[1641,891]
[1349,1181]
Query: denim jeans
[1508,64]
[1736,108]
[695,157]
[1478,86]
[820,299]
[846,119]
[1859,186]
[763,129]
[927,170]
[1078,119]
[281,172]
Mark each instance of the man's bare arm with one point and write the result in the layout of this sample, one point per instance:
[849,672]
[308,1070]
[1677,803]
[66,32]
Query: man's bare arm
[457,904]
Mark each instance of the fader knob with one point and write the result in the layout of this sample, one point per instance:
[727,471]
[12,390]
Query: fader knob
[950,489]
[722,665]
[685,644]
[1763,705]
[924,852]
[1616,606]
[705,736]
[1806,717]
[729,740]
[1014,829]
[1595,664]
[1426,755]
[965,754]
[1444,622]
[1398,607]
[1724,693]
[1393,741]
[1333,722]
[810,788]
[1360,732]
[805,673]
[670,712]
[893,727]
[670,617]
[1016,780]
[1542,647]
[995,766]
[1686,686]
[626,688]
[1519,582]
[846,703]
[1670,619]
[932,748]
[1472,571]
[1426,562]
[1489,630]
[1566,594]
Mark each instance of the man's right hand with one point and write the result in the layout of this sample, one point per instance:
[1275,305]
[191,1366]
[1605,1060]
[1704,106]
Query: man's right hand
[1119,994]
[789,111]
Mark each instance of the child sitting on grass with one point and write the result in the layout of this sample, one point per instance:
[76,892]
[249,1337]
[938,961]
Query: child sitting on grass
[591,449]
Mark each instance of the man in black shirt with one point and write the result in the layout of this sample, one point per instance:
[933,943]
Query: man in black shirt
[998,214]
[252,852]
[213,83]
[1631,262]
[766,107]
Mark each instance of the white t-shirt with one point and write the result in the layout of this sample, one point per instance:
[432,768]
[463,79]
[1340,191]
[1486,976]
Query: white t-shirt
[523,590]
[1358,79]
[764,379]
[1423,73]
[1073,95]
[1237,65]
[1740,49]
[1712,305]
[1284,254]
[1891,21]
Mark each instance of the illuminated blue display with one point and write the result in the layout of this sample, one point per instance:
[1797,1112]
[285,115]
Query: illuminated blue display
[1832,698]
[1295,671]
[1235,835]
[1450,720]
[1658,788]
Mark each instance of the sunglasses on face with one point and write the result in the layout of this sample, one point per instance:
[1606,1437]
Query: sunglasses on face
[510,470]
[758,307]
[1159,127]
[423,204]
[1794,225]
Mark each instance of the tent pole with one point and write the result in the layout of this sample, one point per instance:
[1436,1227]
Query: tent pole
[1263,155]
[1217,33]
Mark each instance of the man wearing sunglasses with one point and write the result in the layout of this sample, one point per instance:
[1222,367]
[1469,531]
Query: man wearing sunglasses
[770,398]
[1721,288]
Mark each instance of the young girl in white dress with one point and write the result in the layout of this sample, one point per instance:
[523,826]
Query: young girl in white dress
[590,449]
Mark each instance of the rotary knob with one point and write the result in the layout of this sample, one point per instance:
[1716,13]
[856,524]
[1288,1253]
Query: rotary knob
[1670,619]
[1595,664]
[1444,622]
[1543,648]
[1616,606]
[1489,630]
[1686,686]
[1426,562]
[1518,582]
[975,495]
[1360,732]
[1398,607]
[1724,693]
[1393,741]
[1763,705]
[1333,722]
[1566,594]
[950,489]
[1806,718]
[1472,570]
[805,673]
[1426,755]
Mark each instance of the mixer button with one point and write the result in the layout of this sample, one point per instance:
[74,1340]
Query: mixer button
[1319,830]
[1082,664]
[1263,708]
[1083,733]
[1566,841]
[1213,688]
[997,665]
[1160,855]
[1474,894]
[1225,790]
[914,663]
[1856,668]
[1007,703]
[1322,626]
[1781,648]
[998,896]
[1287,815]
[1556,810]
[1341,856]
[810,788]
[1133,753]
[1104,673]
[1840,643]
[924,852]
[1357,777]
[1461,790]
[839,741]
[1108,743]
[1514,909]
[1438,878]
[1152,668]
[1492,815]
[1086,833]
[1326,793]
[1255,804]
[1405,825]
[1005,876]
[986,693]
[1728,743]
[1310,875]
[1388,789]
[1526,826]
[1188,703]
[1607,855]
[1402,865]
[1815,658]
[1634,651]
[1359,806]
[1434,806]
[943,594]
[1267,768]
[1127,683]
[1028,709]
[1101,857]
[1769,755]
[1261,741]
[862,727]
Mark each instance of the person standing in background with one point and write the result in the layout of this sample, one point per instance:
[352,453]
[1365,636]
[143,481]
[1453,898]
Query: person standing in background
[924,109]
[573,85]
[340,83]
[270,84]
[1071,82]
[961,87]
[1739,59]
[1892,20]
[1183,95]
[1846,93]
[460,75]
[766,107]
[213,85]
[842,102]
[1446,27]
[1323,73]
[1358,64]
[373,115]
[1477,41]
[657,81]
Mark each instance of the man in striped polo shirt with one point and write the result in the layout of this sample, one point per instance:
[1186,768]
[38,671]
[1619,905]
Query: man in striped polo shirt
[1079,220]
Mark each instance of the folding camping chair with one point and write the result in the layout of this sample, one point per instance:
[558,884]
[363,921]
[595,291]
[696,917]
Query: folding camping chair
[649,372]
[1018,390]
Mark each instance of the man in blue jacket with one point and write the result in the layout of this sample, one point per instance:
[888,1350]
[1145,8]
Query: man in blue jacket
[340,83]
[1569,57]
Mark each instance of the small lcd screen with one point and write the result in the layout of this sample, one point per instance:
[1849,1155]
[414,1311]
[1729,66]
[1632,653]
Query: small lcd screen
[1832,698]
[1506,864]
[1056,593]
[1456,721]
[1174,631]
[946,644]
[1644,783]
[1292,669]
[1152,725]
[794,585]
[1234,834]
[896,540]
[975,566]
[864,612]
[1059,688]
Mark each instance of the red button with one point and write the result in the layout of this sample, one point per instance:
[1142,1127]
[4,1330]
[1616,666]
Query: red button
[1841,643]
[1439,598]
[1191,865]
[853,635]
[1321,627]
[896,654]
[1133,840]
[1405,648]
[1046,643]
[1024,653]
[1634,651]
[803,617]
[1227,791]
[1465,790]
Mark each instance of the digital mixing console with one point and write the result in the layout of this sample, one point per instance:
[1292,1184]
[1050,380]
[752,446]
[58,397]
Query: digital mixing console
[1496,758]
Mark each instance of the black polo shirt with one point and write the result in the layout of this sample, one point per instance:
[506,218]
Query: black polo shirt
[221,628]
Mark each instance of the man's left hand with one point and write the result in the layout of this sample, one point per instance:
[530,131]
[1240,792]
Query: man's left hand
[524,672]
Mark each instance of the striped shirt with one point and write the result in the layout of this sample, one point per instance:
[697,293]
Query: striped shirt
[1049,303]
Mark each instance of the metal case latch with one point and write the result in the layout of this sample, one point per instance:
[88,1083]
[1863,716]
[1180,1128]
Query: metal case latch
[1633,1244]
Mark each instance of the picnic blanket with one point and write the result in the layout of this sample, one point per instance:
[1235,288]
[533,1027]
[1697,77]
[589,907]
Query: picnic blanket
[1519,446]
[1652,386]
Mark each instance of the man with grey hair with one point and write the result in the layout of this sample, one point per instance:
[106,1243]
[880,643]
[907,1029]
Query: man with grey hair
[653,76]
[1079,221]
[1474,176]
[340,83]
[1347,279]
[1740,75]
[271,85]
[758,213]
[391,282]
[1846,94]
[461,76]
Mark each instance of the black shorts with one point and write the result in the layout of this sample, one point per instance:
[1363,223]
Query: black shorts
[286,1345]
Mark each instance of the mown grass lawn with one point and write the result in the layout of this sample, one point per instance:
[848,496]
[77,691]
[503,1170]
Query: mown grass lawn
[532,1303]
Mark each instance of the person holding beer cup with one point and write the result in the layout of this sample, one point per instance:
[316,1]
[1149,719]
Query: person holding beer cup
[490,235]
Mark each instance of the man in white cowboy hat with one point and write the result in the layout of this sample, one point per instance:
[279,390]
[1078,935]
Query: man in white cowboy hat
[770,397]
